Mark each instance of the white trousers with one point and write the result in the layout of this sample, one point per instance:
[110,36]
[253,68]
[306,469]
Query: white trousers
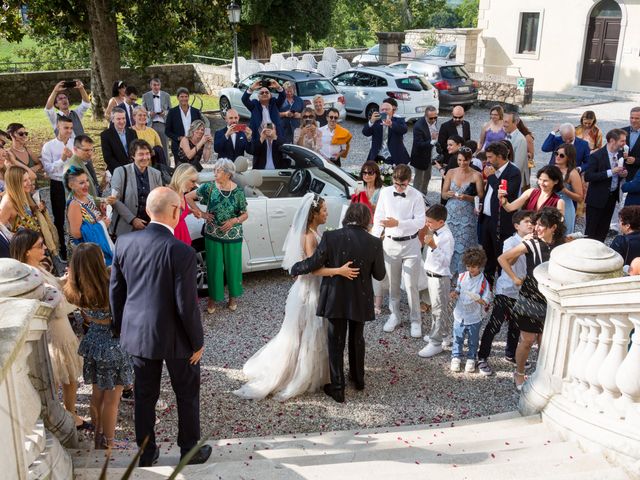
[439,289]
[403,261]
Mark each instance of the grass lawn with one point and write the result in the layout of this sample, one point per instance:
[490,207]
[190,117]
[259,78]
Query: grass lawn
[8,50]
[40,130]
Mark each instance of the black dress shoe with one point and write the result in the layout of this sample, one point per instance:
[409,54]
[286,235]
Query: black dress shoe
[148,462]
[337,395]
[201,455]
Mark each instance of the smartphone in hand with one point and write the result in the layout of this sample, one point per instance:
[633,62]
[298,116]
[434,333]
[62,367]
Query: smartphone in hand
[69,84]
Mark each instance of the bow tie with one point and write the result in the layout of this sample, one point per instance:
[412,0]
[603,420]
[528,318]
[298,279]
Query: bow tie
[156,96]
[396,194]
[435,233]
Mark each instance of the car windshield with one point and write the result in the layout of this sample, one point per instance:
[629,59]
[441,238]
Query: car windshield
[439,51]
[374,50]
[315,87]
[413,84]
[453,72]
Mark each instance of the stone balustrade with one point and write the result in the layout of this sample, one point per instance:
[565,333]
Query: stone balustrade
[587,380]
[32,421]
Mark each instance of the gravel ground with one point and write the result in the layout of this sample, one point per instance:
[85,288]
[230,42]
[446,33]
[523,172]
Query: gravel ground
[401,388]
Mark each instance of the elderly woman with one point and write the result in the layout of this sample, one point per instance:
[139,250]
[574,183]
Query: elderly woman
[308,135]
[226,210]
[290,111]
[319,110]
[183,181]
[195,146]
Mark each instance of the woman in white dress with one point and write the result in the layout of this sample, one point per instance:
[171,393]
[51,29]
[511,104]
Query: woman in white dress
[296,360]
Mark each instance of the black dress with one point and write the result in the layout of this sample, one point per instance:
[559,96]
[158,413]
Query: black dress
[537,252]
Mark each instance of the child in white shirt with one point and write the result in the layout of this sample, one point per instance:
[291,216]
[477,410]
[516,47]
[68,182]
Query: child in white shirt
[473,293]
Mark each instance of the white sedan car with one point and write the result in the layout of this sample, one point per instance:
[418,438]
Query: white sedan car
[273,196]
[372,56]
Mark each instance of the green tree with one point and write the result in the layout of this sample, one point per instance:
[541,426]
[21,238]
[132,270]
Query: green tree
[468,13]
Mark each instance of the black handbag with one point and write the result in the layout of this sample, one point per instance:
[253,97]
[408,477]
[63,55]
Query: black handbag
[530,307]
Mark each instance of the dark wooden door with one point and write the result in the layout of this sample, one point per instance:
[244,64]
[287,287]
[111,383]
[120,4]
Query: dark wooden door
[600,55]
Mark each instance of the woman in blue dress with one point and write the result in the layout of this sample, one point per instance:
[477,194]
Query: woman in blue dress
[461,186]
[572,191]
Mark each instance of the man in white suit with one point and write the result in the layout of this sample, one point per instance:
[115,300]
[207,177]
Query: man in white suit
[157,102]
[519,144]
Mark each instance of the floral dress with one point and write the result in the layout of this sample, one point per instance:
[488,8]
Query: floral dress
[462,221]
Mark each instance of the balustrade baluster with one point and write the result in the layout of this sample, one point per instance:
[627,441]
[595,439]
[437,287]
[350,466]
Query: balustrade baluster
[597,359]
[628,375]
[593,329]
[609,369]
[574,362]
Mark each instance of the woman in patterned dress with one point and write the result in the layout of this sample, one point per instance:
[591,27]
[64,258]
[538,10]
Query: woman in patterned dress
[226,210]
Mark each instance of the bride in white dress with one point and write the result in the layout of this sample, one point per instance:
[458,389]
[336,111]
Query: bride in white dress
[296,360]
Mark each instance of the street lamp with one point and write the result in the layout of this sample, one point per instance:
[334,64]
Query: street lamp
[233,12]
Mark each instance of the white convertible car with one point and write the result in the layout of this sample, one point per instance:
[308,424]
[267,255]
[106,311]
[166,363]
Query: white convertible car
[273,196]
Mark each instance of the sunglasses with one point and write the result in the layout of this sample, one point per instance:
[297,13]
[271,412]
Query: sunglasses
[332,117]
[465,149]
[22,134]
[368,172]
[264,93]
[458,118]
[307,116]
[560,155]
[433,118]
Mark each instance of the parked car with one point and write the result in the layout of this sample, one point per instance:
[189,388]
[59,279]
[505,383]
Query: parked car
[272,202]
[308,85]
[372,56]
[365,88]
[452,80]
[444,51]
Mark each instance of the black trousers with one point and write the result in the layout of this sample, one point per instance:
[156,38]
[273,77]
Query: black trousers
[58,207]
[492,244]
[337,340]
[502,311]
[599,218]
[185,381]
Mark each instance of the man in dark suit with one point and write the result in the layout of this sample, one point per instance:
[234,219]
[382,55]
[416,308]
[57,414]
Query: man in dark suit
[496,223]
[115,141]
[4,242]
[347,303]
[179,119]
[156,315]
[266,151]
[604,176]
[131,94]
[566,133]
[456,126]
[230,142]
[387,135]
[424,136]
[632,162]
[259,117]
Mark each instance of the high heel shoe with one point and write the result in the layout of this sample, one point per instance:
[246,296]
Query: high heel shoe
[515,380]
[99,442]
[211,309]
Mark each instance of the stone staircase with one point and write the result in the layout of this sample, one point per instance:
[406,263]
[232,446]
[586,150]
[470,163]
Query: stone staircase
[503,446]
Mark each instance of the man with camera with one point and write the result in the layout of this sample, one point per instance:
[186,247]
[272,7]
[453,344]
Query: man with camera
[265,109]
[266,150]
[425,149]
[233,140]
[59,99]
[387,134]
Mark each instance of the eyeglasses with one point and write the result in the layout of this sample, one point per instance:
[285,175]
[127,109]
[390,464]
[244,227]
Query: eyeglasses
[22,134]
[560,155]
[87,149]
[368,172]
[458,118]
[332,117]
[401,185]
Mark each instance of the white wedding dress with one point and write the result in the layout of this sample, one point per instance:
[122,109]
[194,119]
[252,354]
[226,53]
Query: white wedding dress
[296,360]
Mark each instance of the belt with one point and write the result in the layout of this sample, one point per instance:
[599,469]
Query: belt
[403,239]
[434,275]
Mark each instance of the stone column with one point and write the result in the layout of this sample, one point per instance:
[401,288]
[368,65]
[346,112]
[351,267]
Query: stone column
[390,43]
[467,46]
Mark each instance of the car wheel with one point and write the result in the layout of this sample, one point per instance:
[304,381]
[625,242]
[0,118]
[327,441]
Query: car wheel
[225,105]
[201,268]
[372,107]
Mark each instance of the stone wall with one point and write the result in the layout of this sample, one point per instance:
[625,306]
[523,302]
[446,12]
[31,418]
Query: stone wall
[211,79]
[503,89]
[31,89]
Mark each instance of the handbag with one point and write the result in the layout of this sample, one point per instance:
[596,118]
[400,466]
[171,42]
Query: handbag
[530,307]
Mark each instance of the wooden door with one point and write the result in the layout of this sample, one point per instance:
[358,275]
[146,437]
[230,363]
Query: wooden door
[600,55]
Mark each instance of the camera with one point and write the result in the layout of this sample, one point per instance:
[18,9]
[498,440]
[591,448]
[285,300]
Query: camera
[265,83]
[308,122]
[436,153]
[383,116]
[69,84]
[269,126]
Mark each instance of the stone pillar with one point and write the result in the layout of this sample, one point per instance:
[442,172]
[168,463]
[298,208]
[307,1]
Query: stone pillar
[467,46]
[390,43]
[573,263]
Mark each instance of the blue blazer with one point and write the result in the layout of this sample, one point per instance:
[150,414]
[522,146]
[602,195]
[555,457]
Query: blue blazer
[289,125]
[634,151]
[633,190]
[154,295]
[397,149]
[599,181]
[174,128]
[552,142]
[256,113]
[223,146]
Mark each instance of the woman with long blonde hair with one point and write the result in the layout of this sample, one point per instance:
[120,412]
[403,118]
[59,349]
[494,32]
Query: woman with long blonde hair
[182,182]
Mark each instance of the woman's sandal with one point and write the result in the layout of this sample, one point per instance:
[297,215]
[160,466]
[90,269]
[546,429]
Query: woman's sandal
[515,380]
[99,442]
[211,309]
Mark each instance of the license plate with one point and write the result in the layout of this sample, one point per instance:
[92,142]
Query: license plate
[420,109]
[328,105]
[463,89]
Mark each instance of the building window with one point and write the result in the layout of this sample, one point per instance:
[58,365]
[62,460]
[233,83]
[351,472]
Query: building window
[529,29]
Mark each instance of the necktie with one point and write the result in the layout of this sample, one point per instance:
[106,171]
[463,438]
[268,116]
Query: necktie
[131,113]
[508,137]
[156,96]
[396,194]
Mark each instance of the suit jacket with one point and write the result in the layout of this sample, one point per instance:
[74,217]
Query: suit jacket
[633,190]
[340,297]
[256,113]
[289,125]
[165,104]
[552,142]
[4,243]
[223,146]
[112,149]
[421,148]
[448,129]
[599,182]
[260,155]
[154,299]
[126,209]
[395,141]
[74,161]
[125,107]
[174,129]
[633,152]
[512,175]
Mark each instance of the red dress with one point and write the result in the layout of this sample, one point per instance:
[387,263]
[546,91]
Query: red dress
[532,204]
[182,231]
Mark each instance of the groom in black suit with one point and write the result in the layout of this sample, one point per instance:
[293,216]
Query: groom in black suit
[347,303]
[156,315]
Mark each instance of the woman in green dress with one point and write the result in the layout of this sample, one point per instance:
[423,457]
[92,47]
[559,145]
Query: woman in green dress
[226,210]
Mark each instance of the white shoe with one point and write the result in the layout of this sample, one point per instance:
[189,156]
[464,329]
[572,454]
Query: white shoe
[447,342]
[455,364]
[430,350]
[161,405]
[470,366]
[416,329]
[391,324]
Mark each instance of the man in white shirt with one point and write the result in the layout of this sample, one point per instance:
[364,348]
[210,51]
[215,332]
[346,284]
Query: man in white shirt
[400,215]
[439,253]
[333,147]
[157,102]
[179,120]
[60,100]
[519,144]
[54,153]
